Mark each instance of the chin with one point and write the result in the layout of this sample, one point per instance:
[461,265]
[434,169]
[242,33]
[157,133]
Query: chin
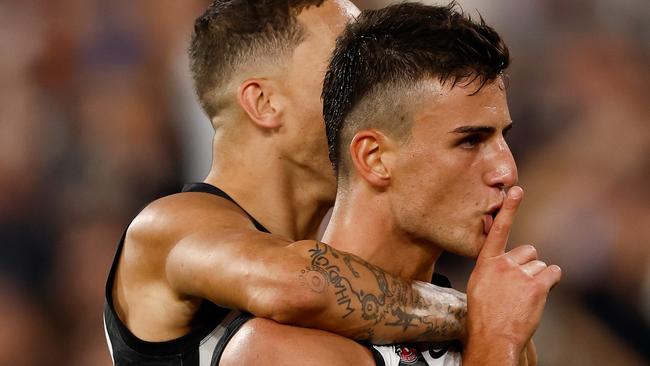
[477,246]
[471,248]
[474,253]
[465,249]
[471,252]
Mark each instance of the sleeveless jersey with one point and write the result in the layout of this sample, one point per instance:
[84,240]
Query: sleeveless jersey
[202,346]
[438,354]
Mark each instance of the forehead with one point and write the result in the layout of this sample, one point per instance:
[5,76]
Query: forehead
[322,25]
[329,19]
[447,107]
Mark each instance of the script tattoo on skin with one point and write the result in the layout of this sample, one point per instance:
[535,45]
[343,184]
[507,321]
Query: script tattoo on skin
[392,301]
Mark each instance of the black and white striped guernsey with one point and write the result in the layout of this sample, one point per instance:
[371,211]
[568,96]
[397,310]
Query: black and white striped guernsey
[203,346]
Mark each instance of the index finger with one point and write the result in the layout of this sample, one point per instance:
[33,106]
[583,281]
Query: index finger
[497,238]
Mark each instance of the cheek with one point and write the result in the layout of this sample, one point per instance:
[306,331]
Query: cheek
[308,119]
[439,202]
[421,180]
[437,186]
[422,201]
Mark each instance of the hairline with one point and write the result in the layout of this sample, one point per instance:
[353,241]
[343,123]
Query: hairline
[402,91]
[214,92]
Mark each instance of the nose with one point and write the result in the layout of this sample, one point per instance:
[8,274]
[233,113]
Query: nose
[501,169]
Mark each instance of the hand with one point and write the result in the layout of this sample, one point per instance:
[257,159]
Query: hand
[506,292]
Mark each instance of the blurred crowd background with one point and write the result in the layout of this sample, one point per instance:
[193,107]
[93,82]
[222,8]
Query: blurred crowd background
[97,118]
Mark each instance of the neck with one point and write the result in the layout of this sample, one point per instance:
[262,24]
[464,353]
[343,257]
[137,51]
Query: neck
[287,200]
[362,224]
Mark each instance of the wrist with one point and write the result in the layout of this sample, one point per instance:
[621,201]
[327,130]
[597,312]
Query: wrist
[489,350]
[451,319]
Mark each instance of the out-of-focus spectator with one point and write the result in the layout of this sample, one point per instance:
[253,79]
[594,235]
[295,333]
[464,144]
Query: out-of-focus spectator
[85,251]
[25,334]
[87,137]
[25,233]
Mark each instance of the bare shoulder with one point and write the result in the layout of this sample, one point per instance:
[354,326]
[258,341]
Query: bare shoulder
[174,216]
[263,341]
[158,229]
[170,219]
[146,294]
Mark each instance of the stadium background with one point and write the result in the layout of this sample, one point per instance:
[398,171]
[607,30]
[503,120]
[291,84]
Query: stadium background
[97,117]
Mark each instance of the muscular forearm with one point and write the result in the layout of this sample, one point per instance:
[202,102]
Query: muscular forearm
[361,301]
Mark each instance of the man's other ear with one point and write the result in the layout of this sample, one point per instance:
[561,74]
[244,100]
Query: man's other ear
[258,99]
[370,152]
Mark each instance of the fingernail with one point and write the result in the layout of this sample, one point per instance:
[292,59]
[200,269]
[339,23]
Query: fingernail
[515,192]
[559,269]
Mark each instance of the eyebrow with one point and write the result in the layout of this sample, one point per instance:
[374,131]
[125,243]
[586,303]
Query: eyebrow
[474,129]
[479,129]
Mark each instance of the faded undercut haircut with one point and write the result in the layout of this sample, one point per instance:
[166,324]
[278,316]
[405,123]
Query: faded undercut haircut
[232,33]
[387,52]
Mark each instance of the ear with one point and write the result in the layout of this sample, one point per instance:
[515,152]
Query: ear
[256,97]
[368,151]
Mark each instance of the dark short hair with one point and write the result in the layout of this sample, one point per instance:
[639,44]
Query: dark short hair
[232,32]
[401,45]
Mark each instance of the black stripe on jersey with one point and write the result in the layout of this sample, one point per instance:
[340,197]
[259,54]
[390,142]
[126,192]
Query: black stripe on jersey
[379,359]
[231,329]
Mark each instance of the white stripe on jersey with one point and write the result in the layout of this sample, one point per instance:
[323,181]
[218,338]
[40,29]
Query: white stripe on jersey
[108,340]
[209,343]
[388,354]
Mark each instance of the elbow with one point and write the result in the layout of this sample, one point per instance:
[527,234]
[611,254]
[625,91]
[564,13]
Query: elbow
[302,309]
[298,306]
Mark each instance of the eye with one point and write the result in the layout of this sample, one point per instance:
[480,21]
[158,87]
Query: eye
[470,141]
[506,130]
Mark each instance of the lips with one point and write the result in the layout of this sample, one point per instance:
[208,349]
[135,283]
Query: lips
[488,218]
[487,223]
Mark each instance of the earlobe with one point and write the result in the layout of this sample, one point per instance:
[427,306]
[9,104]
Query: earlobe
[255,99]
[367,151]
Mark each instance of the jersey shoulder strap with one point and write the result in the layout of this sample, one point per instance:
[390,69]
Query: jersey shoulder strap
[209,188]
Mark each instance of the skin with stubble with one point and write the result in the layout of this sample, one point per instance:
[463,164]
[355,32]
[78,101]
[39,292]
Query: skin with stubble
[270,156]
